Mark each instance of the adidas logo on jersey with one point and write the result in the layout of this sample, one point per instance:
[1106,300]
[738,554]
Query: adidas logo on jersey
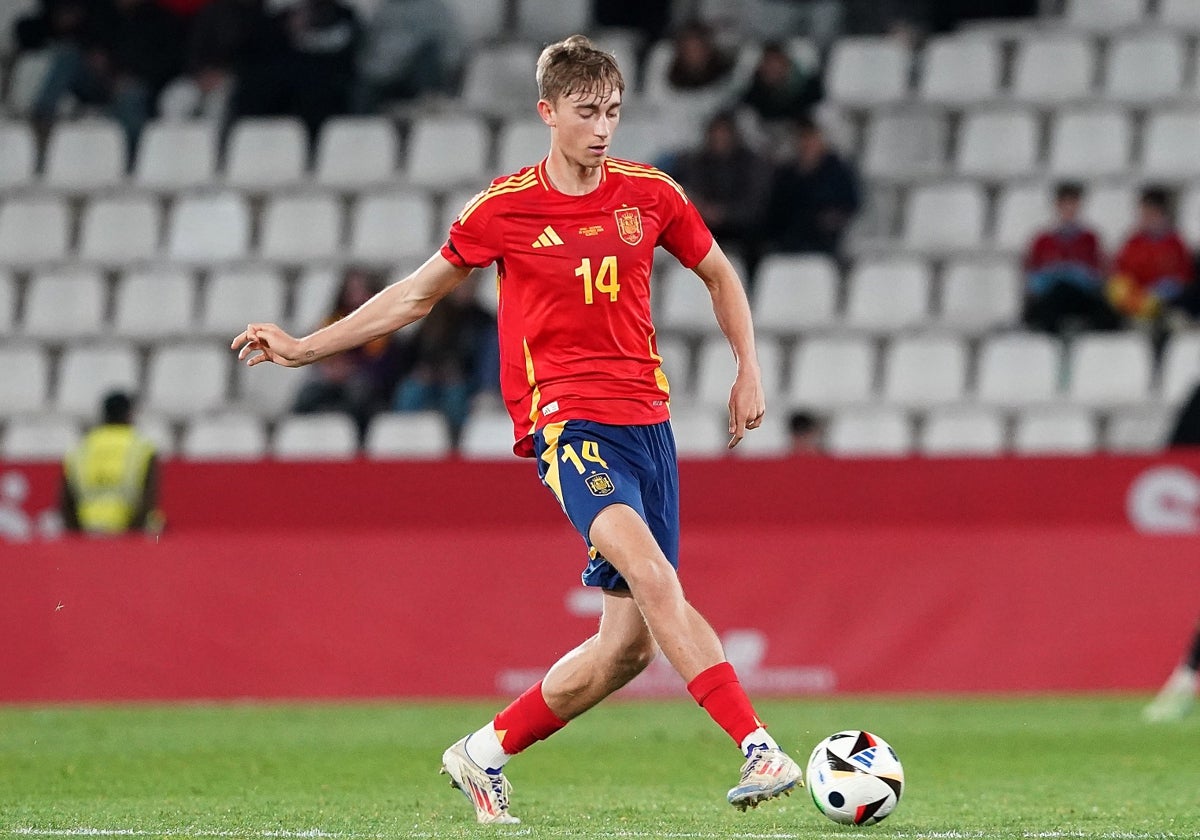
[548,239]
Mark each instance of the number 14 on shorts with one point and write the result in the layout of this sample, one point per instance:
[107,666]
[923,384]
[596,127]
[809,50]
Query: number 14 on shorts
[589,450]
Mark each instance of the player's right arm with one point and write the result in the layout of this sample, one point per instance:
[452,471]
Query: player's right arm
[397,306]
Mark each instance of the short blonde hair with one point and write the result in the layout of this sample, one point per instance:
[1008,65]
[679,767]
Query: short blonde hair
[575,65]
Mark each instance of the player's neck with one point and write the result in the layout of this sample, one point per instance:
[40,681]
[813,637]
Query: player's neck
[572,178]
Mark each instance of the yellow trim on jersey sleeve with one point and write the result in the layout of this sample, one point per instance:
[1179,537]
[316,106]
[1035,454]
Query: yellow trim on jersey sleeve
[516,183]
[551,432]
[635,171]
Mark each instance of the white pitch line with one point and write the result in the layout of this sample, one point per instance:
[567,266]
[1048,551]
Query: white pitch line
[319,834]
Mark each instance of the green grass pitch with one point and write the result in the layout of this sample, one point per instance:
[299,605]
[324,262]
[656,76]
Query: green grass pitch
[1029,767]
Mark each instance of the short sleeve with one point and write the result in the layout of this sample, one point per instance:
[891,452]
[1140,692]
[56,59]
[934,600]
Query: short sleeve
[684,233]
[473,242]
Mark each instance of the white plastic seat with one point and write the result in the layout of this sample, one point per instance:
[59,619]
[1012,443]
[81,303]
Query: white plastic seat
[160,431]
[1055,431]
[545,21]
[25,81]
[120,230]
[235,296]
[420,434]
[34,230]
[641,140]
[795,292]
[266,152]
[869,432]
[1170,144]
[686,304]
[24,387]
[1018,369]
[946,217]
[905,144]
[155,303]
[716,370]
[998,144]
[1110,369]
[45,438]
[1090,143]
[8,303]
[488,436]
[834,371]
[1022,211]
[868,71]
[700,431]
[524,143]
[1179,15]
[65,304]
[176,155]
[187,379]
[391,226]
[1105,15]
[888,294]
[478,20]
[1142,430]
[315,437]
[314,297]
[447,150]
[499,80]
[960,70]
[85,155]
[979,295]
[225,437]
[923,371]
[1051,70]
[962,431]
[677,365]
[266,390]
[86,372]
[20,154]
[209,228]
[1181,366]
[356,152]
[1144,67]
[1111,210]
[300,228]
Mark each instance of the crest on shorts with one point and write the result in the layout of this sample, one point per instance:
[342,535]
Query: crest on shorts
[629,224]
[600,484]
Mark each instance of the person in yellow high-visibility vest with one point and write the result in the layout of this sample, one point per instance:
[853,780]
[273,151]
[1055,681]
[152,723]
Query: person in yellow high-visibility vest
[110,480]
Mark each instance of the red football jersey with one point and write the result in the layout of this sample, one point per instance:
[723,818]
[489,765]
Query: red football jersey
[576,339]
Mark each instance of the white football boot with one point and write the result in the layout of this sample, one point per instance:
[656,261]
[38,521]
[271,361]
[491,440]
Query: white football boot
[487,792]
[1175,698]
[767,773]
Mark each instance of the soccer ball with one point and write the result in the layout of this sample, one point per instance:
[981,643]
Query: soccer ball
[855,777]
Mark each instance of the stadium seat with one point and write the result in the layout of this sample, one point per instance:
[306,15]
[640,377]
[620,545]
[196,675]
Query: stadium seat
[34,230]
[1111,209]
[772,439]
[831,372]
[45,438]
[1022,210]
[301,228]
[488,436]
[642,140]
[391,226]
[28,70]
[478,20]
[209,228]
[868,71]
[1179,15]
[85,155]
[795,292]
[1110,369]
[266,152]
[869,432]
[19,160]
[998,144]
[266,390]
[1105,15]
[1090,143]
[187,379]
[444,151]
[979,295]
[888,294]
[961,431]
[686,305]
[451,208]
[677,365]
[421,434]
[944,218]
[24,387]
[235,296]
[1170,143]
[356,152]
[701,431]
[1018,369]
[716,370]
[1143,429]
[905,145]
[313,437]
[1055,431]
[960,70]
[499,80]
[225,437]
[86,372]
[1188,216]
[156,303]
[524,142]
[160,431]
[1144,68]
[924,371]
[176,155]
[120,230]
[1051,70]
[1180,366]
[544,21]
[314,297]
[61,305]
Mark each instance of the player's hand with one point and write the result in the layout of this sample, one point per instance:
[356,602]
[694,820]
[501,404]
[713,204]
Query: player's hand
[746,406]
[268,343]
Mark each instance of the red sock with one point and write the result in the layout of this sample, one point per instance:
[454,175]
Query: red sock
[526,720]
[719,693]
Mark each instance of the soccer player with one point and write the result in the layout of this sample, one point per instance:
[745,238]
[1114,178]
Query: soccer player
[573,240]
[1178,693]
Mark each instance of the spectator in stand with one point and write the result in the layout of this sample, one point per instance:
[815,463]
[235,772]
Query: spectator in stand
[225,36]
[730,184]
[698,62]
[1153,269]
[1064,273]
[780,90]
[814,197]
[358,382]
[407,52]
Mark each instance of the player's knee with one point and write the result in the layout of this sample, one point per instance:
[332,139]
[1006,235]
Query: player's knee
[634,657]
[654,582]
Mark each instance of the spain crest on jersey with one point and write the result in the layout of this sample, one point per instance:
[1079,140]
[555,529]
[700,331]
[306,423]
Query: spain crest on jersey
[629,224]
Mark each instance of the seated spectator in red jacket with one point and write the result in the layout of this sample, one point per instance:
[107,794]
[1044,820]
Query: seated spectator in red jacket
[1064,285]
[1153,269]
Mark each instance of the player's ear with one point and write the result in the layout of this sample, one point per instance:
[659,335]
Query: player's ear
[546,112]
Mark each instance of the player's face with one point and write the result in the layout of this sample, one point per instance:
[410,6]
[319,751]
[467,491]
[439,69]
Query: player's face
[582,125]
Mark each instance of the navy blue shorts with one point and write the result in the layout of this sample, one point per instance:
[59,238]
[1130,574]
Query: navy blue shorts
[589,466]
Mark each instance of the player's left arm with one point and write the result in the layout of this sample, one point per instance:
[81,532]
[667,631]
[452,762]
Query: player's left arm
[746,401]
